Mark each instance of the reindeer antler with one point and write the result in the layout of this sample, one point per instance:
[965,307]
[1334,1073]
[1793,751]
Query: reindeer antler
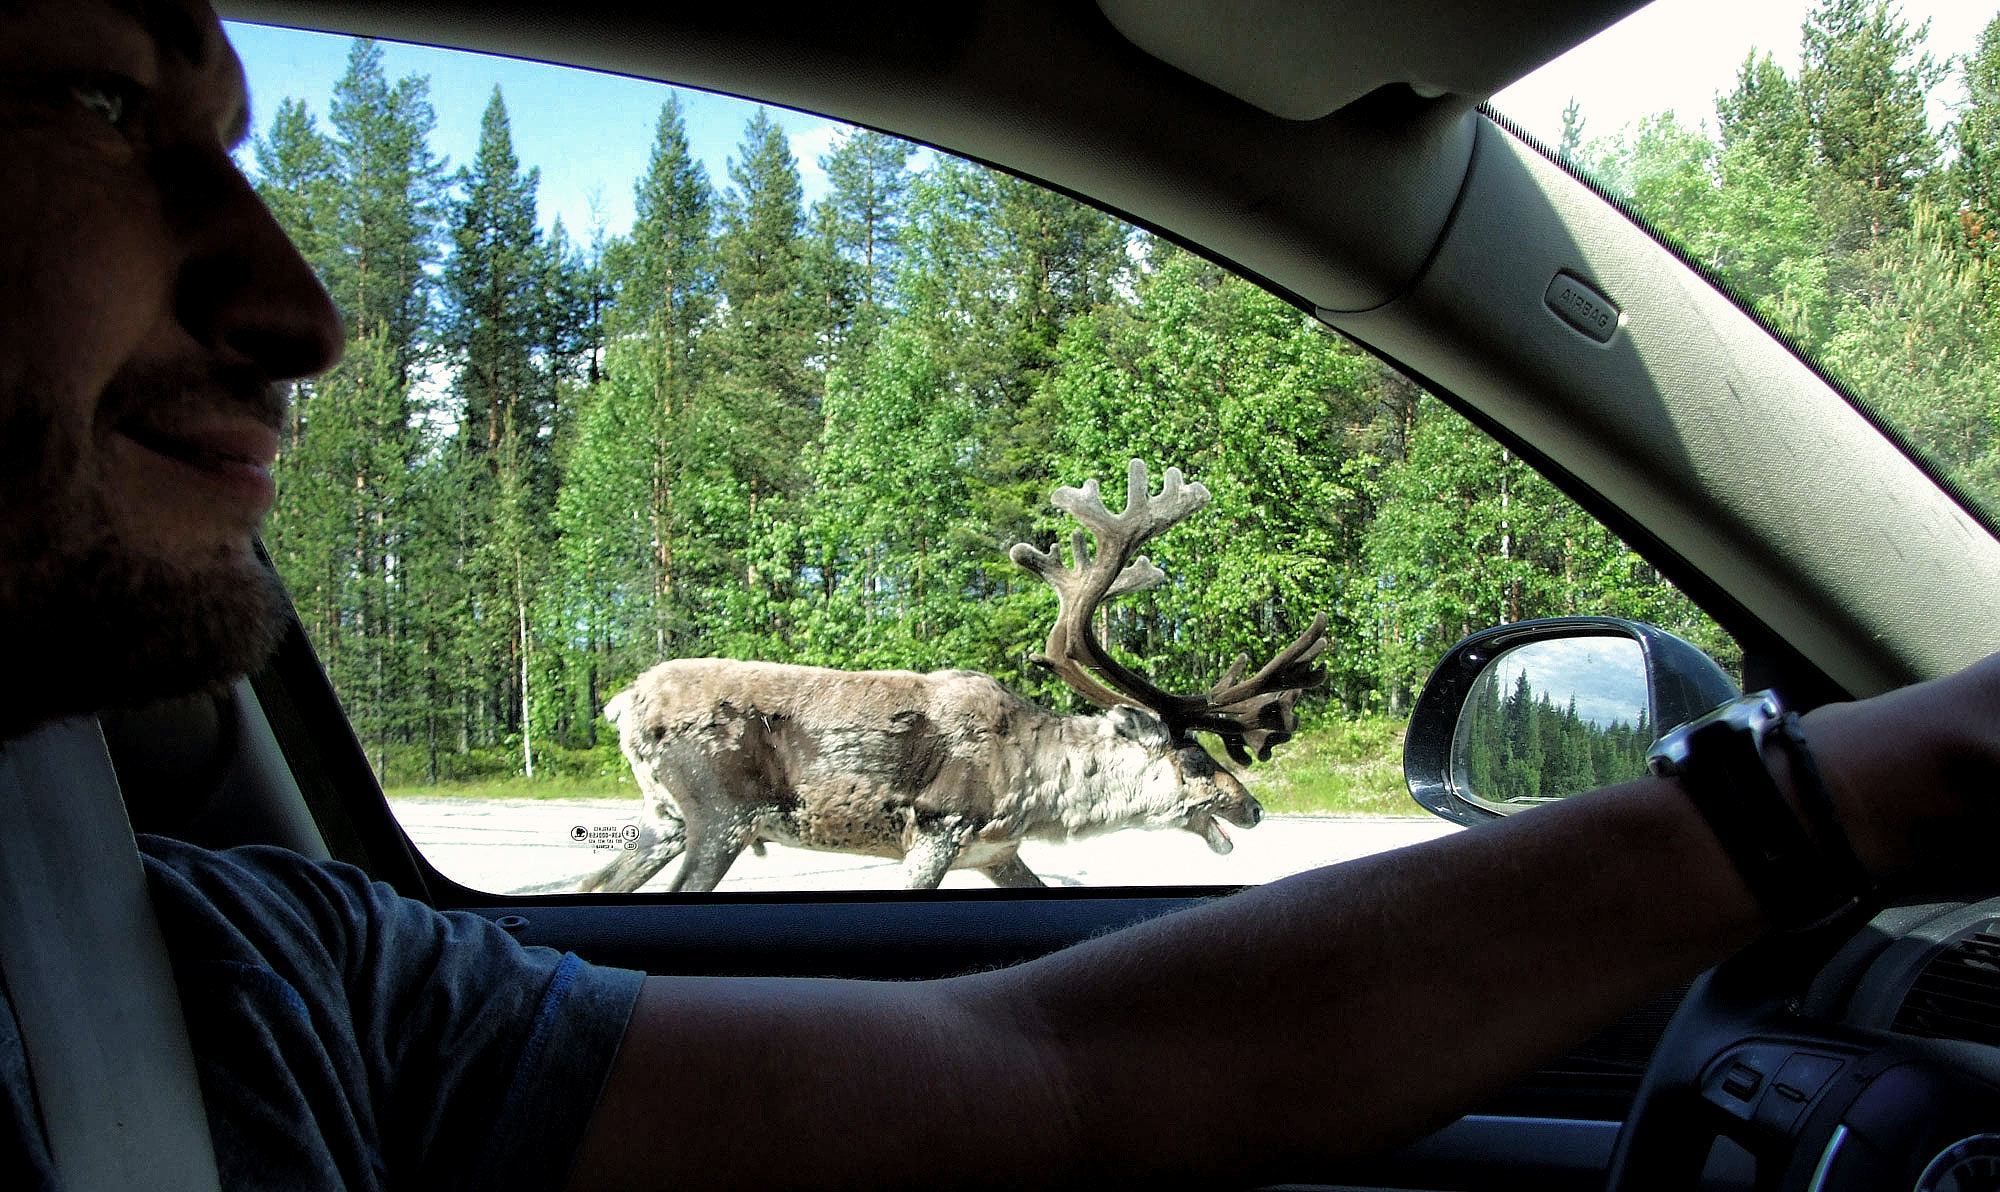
[1250,715]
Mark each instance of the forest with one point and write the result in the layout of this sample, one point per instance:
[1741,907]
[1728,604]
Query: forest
[1520,748]
[757,427]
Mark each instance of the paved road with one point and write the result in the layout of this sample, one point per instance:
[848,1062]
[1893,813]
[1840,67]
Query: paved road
[507,845]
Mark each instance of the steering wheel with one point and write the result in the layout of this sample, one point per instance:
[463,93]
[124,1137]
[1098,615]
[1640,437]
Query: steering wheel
[1821,1104]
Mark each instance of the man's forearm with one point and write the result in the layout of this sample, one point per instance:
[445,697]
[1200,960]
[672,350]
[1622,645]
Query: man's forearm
[1351,1008]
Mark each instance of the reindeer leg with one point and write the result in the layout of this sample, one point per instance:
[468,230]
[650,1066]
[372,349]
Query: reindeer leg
[931,855]
[712,849]
[659,841]
[657,846]
[704,871]
[1013,873]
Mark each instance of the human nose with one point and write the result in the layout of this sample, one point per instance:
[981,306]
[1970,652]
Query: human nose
[244,291]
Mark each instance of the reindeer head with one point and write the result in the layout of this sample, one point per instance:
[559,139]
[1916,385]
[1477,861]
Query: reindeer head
[1183,781]
[1251,716]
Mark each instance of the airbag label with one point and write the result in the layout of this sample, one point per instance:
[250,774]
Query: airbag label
[1582,307]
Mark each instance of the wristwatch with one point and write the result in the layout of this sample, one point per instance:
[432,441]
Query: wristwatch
[1804,879]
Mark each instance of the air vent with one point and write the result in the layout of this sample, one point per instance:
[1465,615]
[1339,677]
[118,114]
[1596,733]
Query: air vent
[1957,995]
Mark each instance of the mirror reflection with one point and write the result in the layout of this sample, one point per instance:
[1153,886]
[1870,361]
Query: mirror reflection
[1553,718]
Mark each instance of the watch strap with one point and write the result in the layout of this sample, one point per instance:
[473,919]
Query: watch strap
[1720,761]
[1817,803]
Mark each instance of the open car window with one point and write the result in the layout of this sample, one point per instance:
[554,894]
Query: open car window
[792,397]
[1836,164]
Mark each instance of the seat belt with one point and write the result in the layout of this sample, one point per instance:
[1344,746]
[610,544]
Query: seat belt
[88,974]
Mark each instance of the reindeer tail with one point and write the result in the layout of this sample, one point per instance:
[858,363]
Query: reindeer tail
[618,705]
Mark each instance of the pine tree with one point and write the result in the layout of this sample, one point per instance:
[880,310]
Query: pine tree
[858,228]
[1766,115]
[570,313]
[666,270]
[1467,535]
[337,525]
[761,255]
[298,177]
[490,287]
[390,203]
[761,409]
[1054,260]
[1571,142]
[1975,171]
[505,410]
[1057,259]
[1921,350]
[363,206]
[622,513]
[1863,83]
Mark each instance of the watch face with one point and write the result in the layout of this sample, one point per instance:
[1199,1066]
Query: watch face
[1968,1165]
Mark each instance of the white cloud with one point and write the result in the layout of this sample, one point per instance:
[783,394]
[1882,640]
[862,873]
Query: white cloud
[810,143]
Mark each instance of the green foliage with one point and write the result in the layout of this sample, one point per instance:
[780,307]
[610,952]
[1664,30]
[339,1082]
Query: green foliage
[623,512]
[499,463]
[390,199]
[666,266]
[1468,536]
[762,255]
[888,536]
[497,784]
[858,230]
[1975,171]
[1862,84]
[495,270]
[1734,206]
[1765,117]
[1338,766]
[1262,405]
[1920,349]
[300,180]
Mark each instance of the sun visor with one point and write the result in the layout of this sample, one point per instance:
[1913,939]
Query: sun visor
[1304,59]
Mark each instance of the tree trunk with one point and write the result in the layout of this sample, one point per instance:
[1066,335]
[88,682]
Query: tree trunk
[527,732]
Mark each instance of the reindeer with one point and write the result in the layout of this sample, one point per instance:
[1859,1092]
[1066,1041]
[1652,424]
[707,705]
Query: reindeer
[950,770]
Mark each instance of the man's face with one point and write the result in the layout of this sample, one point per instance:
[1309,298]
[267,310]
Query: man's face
[149,310]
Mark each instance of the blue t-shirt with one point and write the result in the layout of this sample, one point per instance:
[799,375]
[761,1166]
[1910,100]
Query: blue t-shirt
[347,1037]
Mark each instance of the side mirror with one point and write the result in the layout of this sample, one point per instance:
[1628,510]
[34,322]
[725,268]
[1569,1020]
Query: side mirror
[1534,711]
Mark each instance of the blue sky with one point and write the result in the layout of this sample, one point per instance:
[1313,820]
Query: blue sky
[590,133]
[1606,676]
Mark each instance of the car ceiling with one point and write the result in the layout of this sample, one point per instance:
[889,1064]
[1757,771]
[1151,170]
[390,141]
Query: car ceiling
[1397,215]
[1340,210]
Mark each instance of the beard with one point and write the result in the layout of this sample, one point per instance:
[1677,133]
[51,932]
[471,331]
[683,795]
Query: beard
[100,628]
[88,621]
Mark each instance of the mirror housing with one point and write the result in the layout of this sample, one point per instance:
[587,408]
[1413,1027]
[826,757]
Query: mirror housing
[1680,683]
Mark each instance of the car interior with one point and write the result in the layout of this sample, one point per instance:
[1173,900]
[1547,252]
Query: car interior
[1339,154]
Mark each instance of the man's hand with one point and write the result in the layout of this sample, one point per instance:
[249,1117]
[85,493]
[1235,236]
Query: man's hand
[1915,774]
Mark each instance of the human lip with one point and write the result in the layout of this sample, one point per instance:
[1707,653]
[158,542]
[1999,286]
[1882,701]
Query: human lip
[229,454]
